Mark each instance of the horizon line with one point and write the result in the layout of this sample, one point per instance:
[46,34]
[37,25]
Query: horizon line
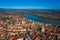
[27,8]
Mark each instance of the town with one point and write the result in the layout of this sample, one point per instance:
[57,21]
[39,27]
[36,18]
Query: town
[18,27]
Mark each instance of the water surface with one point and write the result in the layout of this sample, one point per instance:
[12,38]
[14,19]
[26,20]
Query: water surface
[38,19]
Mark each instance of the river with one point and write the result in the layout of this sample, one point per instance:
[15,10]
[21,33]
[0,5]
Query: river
[38,19]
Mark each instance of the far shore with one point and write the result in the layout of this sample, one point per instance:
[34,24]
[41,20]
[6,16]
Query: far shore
[48,16]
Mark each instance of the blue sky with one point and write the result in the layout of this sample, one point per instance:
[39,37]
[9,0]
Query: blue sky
[30,4]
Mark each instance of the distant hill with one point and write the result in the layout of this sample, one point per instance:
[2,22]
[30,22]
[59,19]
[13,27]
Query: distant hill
[31,10]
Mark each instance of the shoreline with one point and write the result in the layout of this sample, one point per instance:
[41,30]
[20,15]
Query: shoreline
[48,17]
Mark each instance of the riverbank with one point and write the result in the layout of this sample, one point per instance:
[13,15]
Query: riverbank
[53,17]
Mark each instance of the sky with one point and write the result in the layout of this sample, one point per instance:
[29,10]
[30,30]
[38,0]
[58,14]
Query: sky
[30,4]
